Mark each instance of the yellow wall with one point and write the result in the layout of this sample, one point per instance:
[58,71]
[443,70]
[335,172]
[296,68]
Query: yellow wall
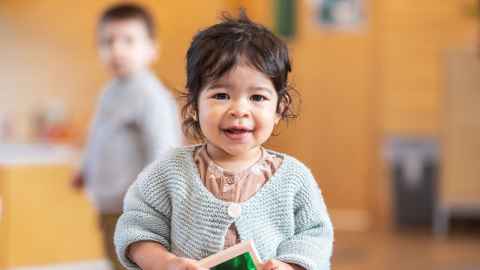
[412,38]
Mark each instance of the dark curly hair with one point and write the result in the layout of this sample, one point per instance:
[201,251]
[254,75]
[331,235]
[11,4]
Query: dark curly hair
[217,49]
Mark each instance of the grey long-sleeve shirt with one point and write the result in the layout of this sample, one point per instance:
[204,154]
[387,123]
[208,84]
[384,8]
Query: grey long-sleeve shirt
[135,122]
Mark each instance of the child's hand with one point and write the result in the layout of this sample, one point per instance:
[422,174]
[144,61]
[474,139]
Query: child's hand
[278,265]
[179,263]
[78,181]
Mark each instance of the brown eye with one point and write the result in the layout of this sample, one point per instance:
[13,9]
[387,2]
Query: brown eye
[258,98]
[220,96]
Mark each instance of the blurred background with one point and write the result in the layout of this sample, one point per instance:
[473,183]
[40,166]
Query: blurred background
[389,122]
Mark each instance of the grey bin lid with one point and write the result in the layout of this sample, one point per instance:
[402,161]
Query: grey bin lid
[410,154]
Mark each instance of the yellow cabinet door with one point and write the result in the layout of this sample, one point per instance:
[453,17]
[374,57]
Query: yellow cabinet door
[44,221]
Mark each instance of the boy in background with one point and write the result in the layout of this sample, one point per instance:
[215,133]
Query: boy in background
[136,118]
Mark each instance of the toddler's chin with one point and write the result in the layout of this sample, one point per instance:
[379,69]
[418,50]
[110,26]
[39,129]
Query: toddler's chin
[239,150]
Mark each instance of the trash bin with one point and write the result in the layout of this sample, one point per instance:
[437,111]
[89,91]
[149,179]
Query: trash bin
[413,166]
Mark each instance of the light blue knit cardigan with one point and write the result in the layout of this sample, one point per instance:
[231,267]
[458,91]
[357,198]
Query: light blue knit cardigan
[169,204]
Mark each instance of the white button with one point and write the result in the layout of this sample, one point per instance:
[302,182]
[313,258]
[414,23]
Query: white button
[234,210]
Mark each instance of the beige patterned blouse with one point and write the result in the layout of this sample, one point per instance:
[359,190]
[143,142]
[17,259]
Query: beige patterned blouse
[234,186]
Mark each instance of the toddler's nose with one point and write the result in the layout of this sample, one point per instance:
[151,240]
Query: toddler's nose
[239,109]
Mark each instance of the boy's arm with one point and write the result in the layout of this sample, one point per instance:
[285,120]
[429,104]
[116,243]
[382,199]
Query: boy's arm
[78,181]
[311,246]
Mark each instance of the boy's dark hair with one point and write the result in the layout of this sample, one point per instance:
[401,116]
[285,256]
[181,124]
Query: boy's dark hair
[128,11]
[217,49]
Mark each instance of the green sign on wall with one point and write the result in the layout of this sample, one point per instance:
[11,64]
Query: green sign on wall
[285,17]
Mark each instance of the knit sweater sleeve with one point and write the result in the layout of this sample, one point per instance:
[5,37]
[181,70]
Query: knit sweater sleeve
[146,215]
[311,245]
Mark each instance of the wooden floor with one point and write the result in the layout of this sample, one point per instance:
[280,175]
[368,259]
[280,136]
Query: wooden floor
[407,250]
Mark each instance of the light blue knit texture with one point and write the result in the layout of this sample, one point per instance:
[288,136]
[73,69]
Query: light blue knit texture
[168,203]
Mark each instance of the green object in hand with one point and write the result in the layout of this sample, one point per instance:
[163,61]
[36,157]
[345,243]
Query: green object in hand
[241,262]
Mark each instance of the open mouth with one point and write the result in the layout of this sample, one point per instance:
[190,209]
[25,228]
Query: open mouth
[237,133]
[237,130]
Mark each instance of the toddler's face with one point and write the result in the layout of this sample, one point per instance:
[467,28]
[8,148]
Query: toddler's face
[237,113]
[125,46]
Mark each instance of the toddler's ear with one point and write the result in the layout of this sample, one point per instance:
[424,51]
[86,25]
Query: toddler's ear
[192,112]
[282,107]
[194,115]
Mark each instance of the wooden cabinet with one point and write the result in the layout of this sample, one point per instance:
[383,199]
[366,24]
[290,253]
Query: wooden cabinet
[44,221]
[460,177]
